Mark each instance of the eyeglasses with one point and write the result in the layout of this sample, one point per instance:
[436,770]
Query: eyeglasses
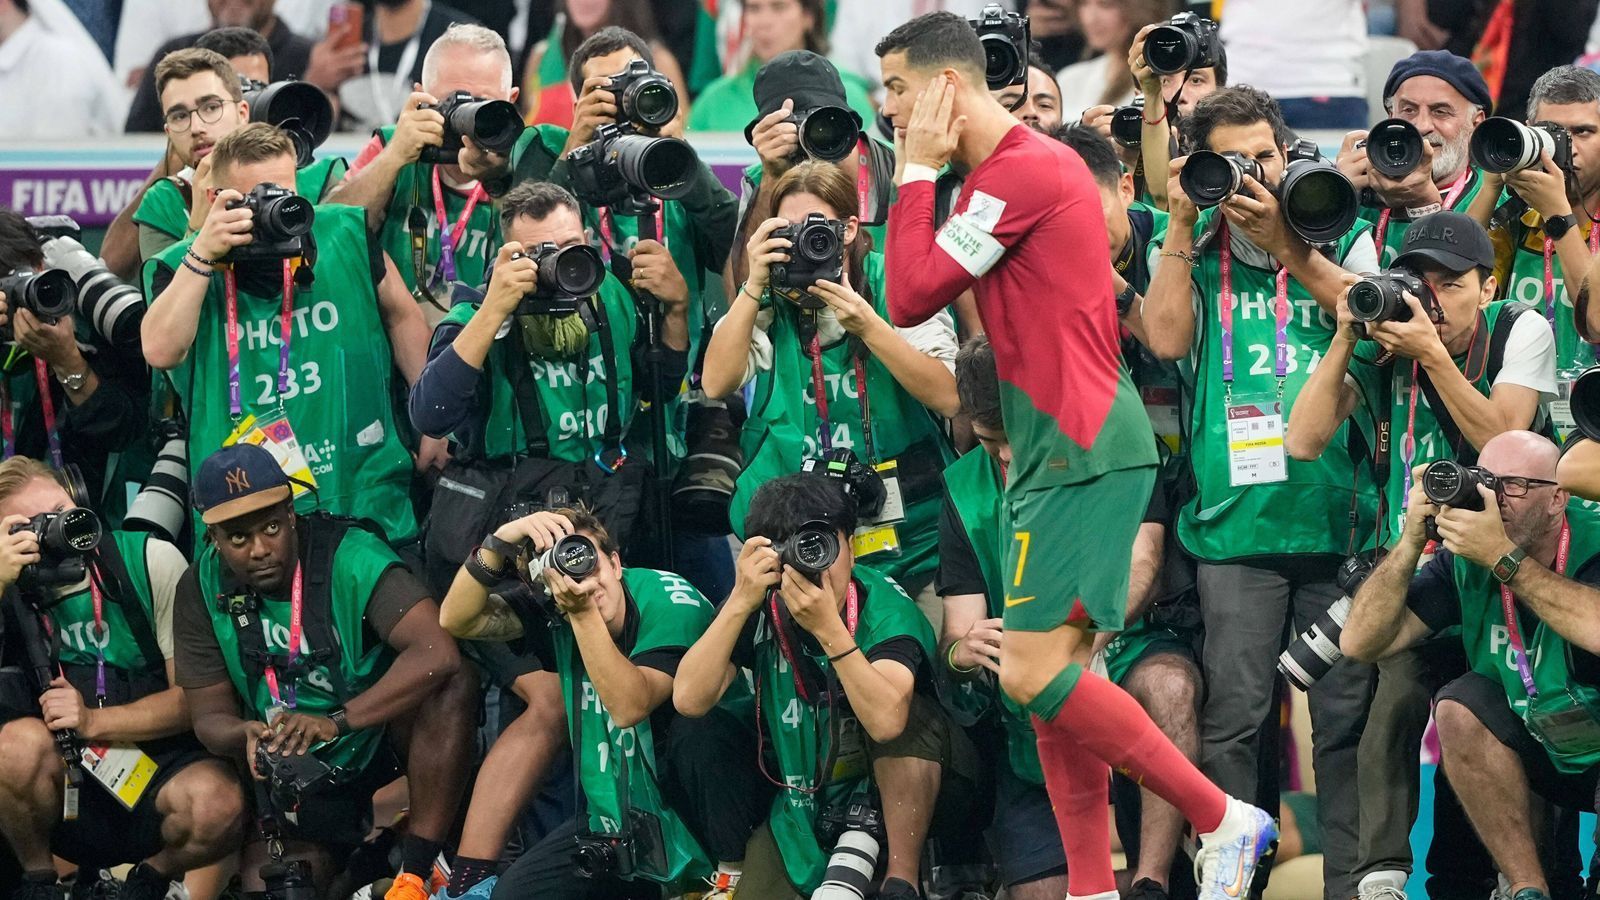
[210,112]
[1518,485]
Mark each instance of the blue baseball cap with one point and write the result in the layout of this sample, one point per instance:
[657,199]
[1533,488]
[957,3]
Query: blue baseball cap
[238,480]
[1457,71]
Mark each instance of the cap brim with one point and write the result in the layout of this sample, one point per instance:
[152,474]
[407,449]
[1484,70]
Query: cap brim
[244,506]
[1454,262]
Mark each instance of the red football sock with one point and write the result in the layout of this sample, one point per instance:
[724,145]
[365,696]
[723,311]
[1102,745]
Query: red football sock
[1110,724]
[1080,790]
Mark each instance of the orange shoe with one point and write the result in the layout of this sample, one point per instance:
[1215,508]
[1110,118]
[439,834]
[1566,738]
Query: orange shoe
[407,887]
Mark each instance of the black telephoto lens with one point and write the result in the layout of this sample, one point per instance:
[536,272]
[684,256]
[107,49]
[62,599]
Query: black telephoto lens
[1586,403]
[1394,148]
[661,167]
[49,295]
[1449,483]
[828,133]
[1168,50]
[1318,201]
[495,124]
[298,107]
[1210,178]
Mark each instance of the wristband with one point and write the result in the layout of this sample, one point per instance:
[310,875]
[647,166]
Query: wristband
[203,273]
[1418,212]
[918,172]
[337,717]
[507,551]
[950,661]
[745,290]
[836,658]
[480,572]
[1125,299]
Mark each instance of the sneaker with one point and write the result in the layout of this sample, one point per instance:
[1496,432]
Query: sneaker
[1228,856]
[1147,889]
[479,891]
[898,889]
[722,886]
[407,887]
[1389,884]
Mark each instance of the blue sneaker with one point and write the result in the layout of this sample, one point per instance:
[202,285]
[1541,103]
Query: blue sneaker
[480,891]
[1226,862]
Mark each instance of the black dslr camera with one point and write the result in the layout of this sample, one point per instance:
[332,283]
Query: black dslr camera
[1449,483]
[1394,148]
[66,540]
[281,228]
[1378,298]
[288,880]
[1319,202]
[1185,43]
[49,295]
[810,550]
[1127,124]
[492,124]
[1210,178]
[290,779]
[862,483]
[300,108]
[1005,38]
[566,275]
[637,849]
[816,254]
[644,96]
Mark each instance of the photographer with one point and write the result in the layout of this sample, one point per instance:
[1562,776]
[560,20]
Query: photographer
[74,387]
[809,626]
[197,85]
[1036,104]
[1538,220]
[1518,578]
[615,637]
[1159,129]
[321,403]
[407,198]
[306,633]
[1152,659]
[532,379]
[883,389]
[1445,98]
[1267,531]
[114,624]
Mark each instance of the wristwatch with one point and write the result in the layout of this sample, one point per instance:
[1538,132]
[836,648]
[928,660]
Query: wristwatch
[1556,228]
[1506,568]
[339,722]
[75,381]
[1125,299]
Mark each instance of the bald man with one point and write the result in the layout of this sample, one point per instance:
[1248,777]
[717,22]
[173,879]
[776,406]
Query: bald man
[1521,577]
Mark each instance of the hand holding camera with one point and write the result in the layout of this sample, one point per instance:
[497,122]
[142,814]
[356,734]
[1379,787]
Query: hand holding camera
[1149,82]
[1255,211]
[63,709]
[227,226]
[541,530]
[53,340]
[1470,527]
[420,126]
[980,646]
[854,313]
[19,548]
[814,606]
[1182,213]
[777,141]
[1543,187]
[762,250]
[1352,160]
[596,106]
[293,733]
[1414,336]
[757,571]
[515,275]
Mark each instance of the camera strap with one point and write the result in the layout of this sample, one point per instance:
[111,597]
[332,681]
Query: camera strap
[525,391]
[47,405]
[102,635]
[1550,272]
[286,696]
[1450,196]
[450,238]
[611,453]
[819,390]
[230,284]
[1280,309]
[1508,608]
[825,760]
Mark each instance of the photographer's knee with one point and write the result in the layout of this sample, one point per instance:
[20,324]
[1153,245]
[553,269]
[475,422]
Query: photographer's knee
[212,804]
[27,754]
[1459,726]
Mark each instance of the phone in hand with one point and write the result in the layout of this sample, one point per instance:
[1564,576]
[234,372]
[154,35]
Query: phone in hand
[345,24]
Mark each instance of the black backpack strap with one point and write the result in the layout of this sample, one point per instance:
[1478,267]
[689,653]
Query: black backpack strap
[326,533]
[611,435]
[525,391]
[120,589]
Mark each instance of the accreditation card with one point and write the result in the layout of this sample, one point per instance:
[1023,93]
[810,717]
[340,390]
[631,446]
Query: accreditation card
[1256,453]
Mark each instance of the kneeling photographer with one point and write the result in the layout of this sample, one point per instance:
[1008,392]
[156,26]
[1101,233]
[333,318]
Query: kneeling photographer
[537,382]
[614,636]
[309,654]
[72,380]
[810,328]
[852,746]
[88,614]
[1518,574]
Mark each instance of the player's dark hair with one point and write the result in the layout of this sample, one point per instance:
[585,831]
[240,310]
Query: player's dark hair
[1239,105]
[19,246]
[605,42]
[1096,151]
[936,40]
[782,505]
[978,383]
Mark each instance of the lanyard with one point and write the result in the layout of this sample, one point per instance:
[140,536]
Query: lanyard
[852,615]
[231,288]
[1508,607]
[863,179]
[450,239]
[1408,447]
[402,72]
[8,443]
[819,390]
[101,637]
[41,375]
[608,242]
[1280,310]
[1450,197]
[1550,274]
[295,595]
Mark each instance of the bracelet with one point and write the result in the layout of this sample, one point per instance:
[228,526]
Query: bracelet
[950,661]
[1184,255]
[201,259]
[480,572]
[1159,119]
[745,290]
[854,648]
[203,273]
[340,724]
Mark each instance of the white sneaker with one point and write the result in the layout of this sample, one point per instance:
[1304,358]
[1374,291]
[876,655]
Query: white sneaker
[723,885]
[1228,856]
[1389,884]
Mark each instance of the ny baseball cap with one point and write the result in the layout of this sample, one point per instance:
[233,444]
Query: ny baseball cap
[238,480]
[807,78]
[1458,71]
[1450,239]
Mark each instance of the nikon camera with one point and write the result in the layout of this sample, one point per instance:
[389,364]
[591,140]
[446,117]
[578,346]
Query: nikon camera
[492,124]
[816,254]
[299,108]
[1185,43]
[637,849]
[566,275]
[1005,39]
[624,170]
[66,540]
[281,228]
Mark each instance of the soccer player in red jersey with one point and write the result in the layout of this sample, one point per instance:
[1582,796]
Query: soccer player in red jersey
[1027,235]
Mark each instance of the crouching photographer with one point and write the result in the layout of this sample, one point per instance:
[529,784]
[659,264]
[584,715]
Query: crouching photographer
[308,653]
[117,778]
[855,752]
[537,382]
[615,637]
[72,379]
[1518,575]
